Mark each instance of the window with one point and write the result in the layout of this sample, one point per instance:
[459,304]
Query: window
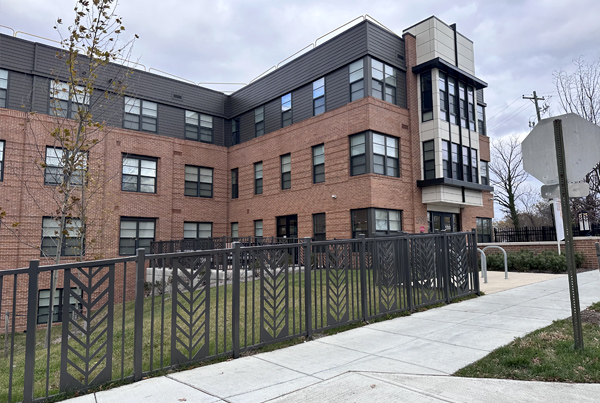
[357,84]
[55,172]
[319,96]
[484,229]
[72,240]
[195,230]
[452,102]
[462,104]
[3,88]
[44,305]
[385,155]
[258,178]
[383,81]
[235,230]
[198,181]
[259,121]
[319,227]
[428,160]
[474,165]
[471,107]
[426,97]
[286,171]
[198,127]
[235,131]
[318,163]
[481,119]
[446,162]
[360,222]
[443,97]
[387,221]
[140,115]
[2,143]
[65,101]
[234,183]
[258,228]
[139,174]
[485,173]
[466,157]
[136,233]
[358,154]
[286,110]
[456,171]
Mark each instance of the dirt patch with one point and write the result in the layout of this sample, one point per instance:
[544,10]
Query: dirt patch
[590,316]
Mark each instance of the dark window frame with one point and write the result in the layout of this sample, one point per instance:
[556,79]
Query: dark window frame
[358,155]
[138,121]
[356,79]
[390,165]
[466,164]
[484,229]
[237,229]
[235,131]
[388,230]
[443,92]
[202,188]
[71,244]
[57,314]
[54,174]
[200,127]
[286,171]
[446,159]
[319,227]
[462,104]
[453,99]
[138,175]
[63,102]
[286,110]
[137,240]
[456,161]
[197,230]
[235,176]
[3,89]
[474,171]
[380,78]
[429,160]
[2,156]
[256,228]
[259,121]
[426,96]
[472,118]
[258,181]
[318,163]
[485,173]
[481,120]
[318,95]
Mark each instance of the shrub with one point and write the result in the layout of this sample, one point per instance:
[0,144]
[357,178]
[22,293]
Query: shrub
[526,261]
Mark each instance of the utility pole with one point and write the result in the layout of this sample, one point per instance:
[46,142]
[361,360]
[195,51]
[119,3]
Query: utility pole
[535,99]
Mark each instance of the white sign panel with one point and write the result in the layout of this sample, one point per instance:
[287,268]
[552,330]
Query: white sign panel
[558,220]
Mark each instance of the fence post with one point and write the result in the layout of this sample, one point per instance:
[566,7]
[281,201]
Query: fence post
[138,332]
[474,268]
[407,268]
[30,339]
[308,287]
[446,266]
[235,310]
[363,275]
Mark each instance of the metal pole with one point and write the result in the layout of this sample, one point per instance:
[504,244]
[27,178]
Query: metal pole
[308,287]
[6,319]
[140,277]
[363,276]
[235,309]
[568,228]
[30,342]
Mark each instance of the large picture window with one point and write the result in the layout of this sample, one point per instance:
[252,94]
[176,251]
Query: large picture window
[374,153]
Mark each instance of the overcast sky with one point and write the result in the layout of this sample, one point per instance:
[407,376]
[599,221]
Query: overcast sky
[518,44]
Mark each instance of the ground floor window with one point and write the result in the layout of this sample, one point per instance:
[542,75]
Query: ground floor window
[484,230]
[375,221]
[136,233]
[44,305]
[319,228]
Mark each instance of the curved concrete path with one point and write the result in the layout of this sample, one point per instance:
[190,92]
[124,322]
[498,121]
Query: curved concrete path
[404,359]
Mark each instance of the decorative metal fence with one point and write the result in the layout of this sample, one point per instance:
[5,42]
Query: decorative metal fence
[538,234]
[186,245]
[129,317]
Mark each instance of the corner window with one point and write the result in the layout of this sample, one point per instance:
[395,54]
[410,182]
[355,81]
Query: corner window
[319,96]
[426,97]
[466,157]
[452,101]
[67,101]
[139,174]
[234,183]
[481,119]
[198,181]
[319,233]
[360,222]
[286,171]
[3,88]
[456,167]
[286,110]
[383,81]
[428,160]
[55,172]
[258,228]
[357,84]
[259,121]
[235,131]
[485,174]
[446,162]
[387,221]
[2,144]
[140,115]
[318,163]
[462,104]
[258,178]
[474,165]
[443,97]
[358,154]
[72,241]
[484,230]
[471,107]
[195,230]
[136,233]
[385,155]
[235,230]
[198,127]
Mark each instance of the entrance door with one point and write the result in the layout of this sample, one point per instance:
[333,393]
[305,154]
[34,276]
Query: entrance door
[287,226]
[443,222]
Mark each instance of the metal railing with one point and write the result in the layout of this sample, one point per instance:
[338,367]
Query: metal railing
[538,234]
[188,245]
[125,318]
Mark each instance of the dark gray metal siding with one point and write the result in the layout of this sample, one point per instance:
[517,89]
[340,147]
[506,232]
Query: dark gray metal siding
[218,131]
[16,54]
[171,121]
[273,115]
[401,97]
[338,51]
[227,139]
[20,91]
[385,46]
[302,99]
[247,126]
[480,99]
[337,89]
[41,95]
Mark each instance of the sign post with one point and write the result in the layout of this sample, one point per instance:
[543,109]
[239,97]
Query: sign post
[569,246]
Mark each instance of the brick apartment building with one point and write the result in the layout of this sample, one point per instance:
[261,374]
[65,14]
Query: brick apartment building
[369,132]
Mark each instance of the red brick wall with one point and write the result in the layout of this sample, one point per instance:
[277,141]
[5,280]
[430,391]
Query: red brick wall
[585,245]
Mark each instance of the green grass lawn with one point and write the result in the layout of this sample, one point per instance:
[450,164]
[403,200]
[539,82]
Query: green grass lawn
[157,330]
[547,354]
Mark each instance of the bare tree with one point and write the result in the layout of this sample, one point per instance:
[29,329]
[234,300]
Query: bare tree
[579,93]
[508,175]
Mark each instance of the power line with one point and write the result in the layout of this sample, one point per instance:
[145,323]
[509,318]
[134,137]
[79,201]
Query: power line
[513,114]
[489,119]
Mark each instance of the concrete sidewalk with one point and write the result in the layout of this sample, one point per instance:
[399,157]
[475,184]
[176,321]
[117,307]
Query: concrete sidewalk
[404,359]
